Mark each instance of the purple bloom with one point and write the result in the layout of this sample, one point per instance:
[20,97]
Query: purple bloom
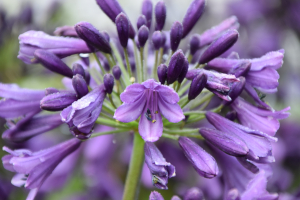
[258,118]
[155,196]
[82,114]
[258,143]
[60,46]
[160,169]
[218,83]
[202,162]
[149,100]
[33,168]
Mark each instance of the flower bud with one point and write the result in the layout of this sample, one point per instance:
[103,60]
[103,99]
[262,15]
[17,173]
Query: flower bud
[219,46]
[52,62]
[175,35]
[79,85]
[194,44]
[155,196]
[143,35]
[109,82]
[156,39]
[192,15]
[141,21]
[230,144]
[162,73]
[147,12]
[194,194]
[78,69]
[175,66]
[57,101]
[92,36]
[202,162]
[197,85]
[237,88]
[160,15]
[116,72]
[184,70]
[241,69]
[122,25]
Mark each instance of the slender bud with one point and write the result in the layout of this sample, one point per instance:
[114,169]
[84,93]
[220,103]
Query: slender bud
[175,35]
[241,69]
[163,39]
[160,15]
[219,46]
[78,69]
[143,35]
[155,196]
[116,72]
[156,39]
[109,82]
[79,85]
[197,85]
[202,162]
[122,25]
[52,62]
[147,12]
[194,44]
[162,73]
[192,15]
[184,70]
[92,36]
[87,77]
[57,101]
[175,66]
[194,194]
[141,21]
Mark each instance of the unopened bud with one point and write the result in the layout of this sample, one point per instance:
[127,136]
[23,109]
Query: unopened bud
[109,82]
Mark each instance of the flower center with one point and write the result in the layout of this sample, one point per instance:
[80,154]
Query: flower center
[151,105]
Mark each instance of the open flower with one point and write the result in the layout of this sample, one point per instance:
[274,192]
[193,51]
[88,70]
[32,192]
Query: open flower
[149,100]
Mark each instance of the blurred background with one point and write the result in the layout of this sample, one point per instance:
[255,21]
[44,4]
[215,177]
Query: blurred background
[265,26]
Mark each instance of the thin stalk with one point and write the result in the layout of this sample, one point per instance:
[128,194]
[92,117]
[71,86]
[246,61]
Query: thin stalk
[169,58]
[218,109]
[174,85]
[173,137]
[178,86]
[127,63]
[93,72]
[202,100]
[111,101]
[108,132]
[194,113]
[138,64]
[118,87]
[142,64]
[161,53]
[190,57]
[182,106]
[131,189]
[197,65]
[99,63]
[112,59]
[108,58]
[107,109]
[154,72]
[114,123]
[184,89]
[181,132]
[103,114]
[182,100]
[189,121]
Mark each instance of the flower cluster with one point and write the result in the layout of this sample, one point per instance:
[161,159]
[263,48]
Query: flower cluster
[162,94]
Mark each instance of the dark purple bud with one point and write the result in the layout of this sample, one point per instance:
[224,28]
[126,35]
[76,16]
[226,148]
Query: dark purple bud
[78,69]
[160,15]
[85,58]
[175,35]
[65,31]
[193,194]
[157,39]
[50,91]
[229,143]
[237,88]
[155,196]
[116,72]
[109,82]
[175,66]
[219,46]
[202,162]
[162,73]
[87,77]
[122,25]
[194,44]
[147,11]
[92,36]
[141,21]
[106,35]
[143,35]
[25,16]
[241,69]
[192,15]
[57,101]
[163,39]
[112,8]
[197,85]
[52,62]
[79,85]
[231,115]
[184,70]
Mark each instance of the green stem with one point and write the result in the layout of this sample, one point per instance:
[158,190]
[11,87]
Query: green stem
[108,132]
[99,63]
[202,100]
[114,123]
[127,63]
[181,132]
[184,89]
[187,101]
[154,73]
[111,101]
[190,57]
[131,189]
[178,86]
[142,64]
[108,109]
[161,53]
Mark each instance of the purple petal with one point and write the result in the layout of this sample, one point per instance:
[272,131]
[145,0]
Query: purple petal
[13,91]
[265,80]
[10,108]
[132,93]
[172,112]
[167,94]
[151,84]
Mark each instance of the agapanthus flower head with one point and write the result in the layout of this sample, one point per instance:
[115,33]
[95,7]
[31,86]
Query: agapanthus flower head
[149,100]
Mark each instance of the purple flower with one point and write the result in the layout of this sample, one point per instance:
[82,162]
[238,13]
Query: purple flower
[82,114]
[258,143]
[155,196]
[258,118]
[60,46]
[218,83]
[160,169]
[149,100]
[33,168]
[202,162]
